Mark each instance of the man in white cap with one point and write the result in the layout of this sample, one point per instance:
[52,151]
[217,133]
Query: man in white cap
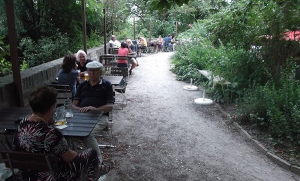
[95,93]
[114,43]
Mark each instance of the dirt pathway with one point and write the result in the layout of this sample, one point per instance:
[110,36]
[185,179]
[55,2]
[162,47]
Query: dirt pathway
[164,136]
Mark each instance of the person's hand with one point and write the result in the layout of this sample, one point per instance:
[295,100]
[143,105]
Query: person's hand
[86,109]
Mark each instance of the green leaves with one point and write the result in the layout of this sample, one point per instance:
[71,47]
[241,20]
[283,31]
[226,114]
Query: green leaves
[167,4]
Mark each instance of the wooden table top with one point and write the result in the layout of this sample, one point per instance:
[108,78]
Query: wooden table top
[80,125]
[114,80]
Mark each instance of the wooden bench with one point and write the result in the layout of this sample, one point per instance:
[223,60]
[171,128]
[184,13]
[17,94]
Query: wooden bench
[216,79]
[33,161]
[110,60]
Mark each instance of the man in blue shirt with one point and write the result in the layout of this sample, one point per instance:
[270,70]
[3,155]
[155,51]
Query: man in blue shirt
[167,42]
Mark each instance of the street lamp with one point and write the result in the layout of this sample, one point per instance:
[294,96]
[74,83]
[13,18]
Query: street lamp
[104,23]
[83,25]
[150,29]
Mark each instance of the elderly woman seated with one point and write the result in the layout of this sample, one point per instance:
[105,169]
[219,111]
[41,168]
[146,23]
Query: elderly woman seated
[36,134]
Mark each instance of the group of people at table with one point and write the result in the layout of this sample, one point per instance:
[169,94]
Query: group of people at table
[129,47]
[36,133]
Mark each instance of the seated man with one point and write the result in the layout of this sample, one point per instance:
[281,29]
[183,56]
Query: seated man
[113,44]
[95,93]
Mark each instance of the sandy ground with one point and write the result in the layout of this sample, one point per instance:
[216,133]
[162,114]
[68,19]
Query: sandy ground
[162,135]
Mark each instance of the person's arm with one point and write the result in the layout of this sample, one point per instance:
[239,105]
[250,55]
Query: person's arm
[106,108]
[130,52]
[75,104]
[69,155]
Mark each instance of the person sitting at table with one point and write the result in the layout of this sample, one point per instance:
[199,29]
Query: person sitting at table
[160,42]
[114,43]
[95,93]
[82,61]
[36,134]
[142,42]
[68,75]
[132,51]
[124,51]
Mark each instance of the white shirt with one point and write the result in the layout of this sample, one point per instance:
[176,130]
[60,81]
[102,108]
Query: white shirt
[115,44]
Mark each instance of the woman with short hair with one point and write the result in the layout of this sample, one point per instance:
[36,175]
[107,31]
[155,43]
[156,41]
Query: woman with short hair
[68,75]
[81,62]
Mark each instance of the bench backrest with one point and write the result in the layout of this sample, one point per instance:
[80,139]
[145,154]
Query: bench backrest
[120,71]
[113,50]
[32,161]
[64,93]
[111,59]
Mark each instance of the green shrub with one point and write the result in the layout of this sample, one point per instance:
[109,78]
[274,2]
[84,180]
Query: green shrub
[45,50]
[276,106]
[94,40]
[5,67]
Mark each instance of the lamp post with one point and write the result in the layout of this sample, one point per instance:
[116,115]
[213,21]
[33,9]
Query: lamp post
[176,28]
[150,29]
[134,27]
[112,24]
[104,25]
[12,38]
[83,25]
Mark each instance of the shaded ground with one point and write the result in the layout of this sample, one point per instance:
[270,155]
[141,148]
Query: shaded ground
[162,135]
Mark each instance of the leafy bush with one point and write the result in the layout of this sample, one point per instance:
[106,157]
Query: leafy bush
[45,50]
[94,40]
[5,67]
[275,106]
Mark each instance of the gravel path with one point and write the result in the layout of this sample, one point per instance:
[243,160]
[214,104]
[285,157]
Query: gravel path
[162,135]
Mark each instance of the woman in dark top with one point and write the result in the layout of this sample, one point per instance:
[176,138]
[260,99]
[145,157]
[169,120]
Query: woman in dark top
[36,134]
[68,75]
[82,61]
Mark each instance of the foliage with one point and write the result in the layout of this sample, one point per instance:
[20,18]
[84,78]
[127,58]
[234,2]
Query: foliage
[47,30]
[46,49]
[5,67]
[94,40]
[276,105]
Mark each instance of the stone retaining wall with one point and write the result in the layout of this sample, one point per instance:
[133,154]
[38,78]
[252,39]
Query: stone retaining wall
[35,76]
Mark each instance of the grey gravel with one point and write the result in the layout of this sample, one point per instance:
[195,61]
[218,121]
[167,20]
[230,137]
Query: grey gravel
[162,135]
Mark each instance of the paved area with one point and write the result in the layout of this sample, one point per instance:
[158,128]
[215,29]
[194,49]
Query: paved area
[162,135]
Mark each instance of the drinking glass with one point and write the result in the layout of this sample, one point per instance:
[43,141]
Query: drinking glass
[68,108]
[60,116]
[86,76]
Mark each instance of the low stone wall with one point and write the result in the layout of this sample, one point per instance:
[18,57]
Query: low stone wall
[36,76]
